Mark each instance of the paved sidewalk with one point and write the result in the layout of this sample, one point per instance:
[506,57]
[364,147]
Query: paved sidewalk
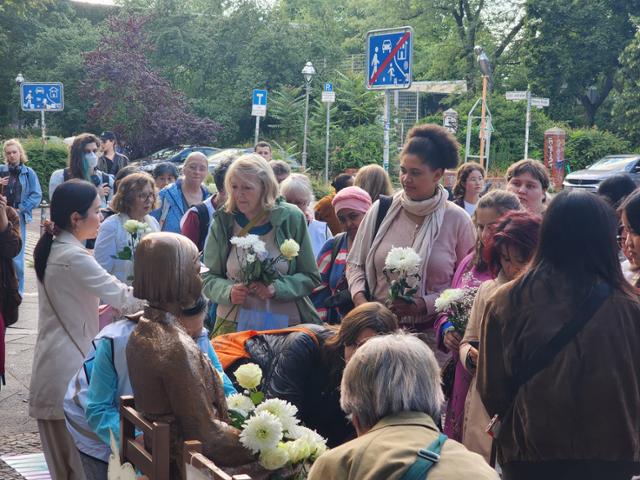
[19,432]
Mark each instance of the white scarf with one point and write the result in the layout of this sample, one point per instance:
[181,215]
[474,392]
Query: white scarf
[364,246]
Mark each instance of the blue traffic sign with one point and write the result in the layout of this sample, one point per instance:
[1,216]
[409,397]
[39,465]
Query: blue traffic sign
[42,97]
[260,97]
[389,55]
[328,87]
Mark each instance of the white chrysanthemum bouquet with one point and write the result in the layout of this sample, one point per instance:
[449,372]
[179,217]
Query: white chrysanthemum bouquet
[456,303]
[255,264]
[402,271]
[270,428]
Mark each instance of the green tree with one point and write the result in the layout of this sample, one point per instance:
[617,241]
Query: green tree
[626,109]
[573,50]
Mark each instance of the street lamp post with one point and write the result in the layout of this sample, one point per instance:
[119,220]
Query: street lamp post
[19,81]
[487,84]
[308,72]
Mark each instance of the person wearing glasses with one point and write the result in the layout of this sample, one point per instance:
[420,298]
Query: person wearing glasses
[135,198]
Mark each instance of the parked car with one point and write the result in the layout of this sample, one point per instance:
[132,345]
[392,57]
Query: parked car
[175,155]
[589,178]
[216,157]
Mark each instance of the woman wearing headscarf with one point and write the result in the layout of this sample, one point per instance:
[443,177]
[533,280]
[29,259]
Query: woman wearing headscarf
[332,298]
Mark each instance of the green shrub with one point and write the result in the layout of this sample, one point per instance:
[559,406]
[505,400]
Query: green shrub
[45,160]
[584,146]
[320,189]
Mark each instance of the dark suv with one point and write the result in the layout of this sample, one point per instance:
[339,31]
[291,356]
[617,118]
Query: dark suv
[589,178]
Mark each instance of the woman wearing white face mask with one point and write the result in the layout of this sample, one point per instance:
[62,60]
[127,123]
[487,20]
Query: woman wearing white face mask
[83,162]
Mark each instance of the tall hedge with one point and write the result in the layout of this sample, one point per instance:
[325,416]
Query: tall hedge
[44,160]
[584,146]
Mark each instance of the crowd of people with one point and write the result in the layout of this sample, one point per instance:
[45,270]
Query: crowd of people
[542,381]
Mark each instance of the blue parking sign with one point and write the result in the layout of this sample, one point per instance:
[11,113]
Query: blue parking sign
[328,87]
[259,103]
[42,97]
[389,57]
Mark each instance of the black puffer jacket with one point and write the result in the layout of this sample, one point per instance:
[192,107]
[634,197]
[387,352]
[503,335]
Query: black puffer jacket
[293,370]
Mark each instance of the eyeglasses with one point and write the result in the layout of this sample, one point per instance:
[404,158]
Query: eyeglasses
[144,197]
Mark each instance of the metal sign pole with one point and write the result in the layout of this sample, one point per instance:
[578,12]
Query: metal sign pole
[387,115]
[257,135]
[527,125]
[306,121]
[42,126]
[326,147]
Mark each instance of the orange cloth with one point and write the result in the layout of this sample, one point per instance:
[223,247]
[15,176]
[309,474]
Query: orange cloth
[325,213]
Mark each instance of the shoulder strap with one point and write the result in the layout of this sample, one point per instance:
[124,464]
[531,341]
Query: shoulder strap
[252,223]
[427,458]
[383,208]
[64,327]
[544,355]
[203,222]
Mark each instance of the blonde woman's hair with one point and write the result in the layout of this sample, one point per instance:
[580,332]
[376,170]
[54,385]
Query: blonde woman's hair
[15,142]
[252,167]
[167,270]
[374,180]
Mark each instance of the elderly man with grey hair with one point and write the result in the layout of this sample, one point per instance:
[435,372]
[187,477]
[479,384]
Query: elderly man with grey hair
[391,389]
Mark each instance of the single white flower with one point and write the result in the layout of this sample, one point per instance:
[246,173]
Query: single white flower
[261,432]
[290,249]
[259,247]
[241,403]
[316,443]
[403,260]
[299,450]
[250,257]
[131,226]
[275,458]
[249,375]
[283,410]
[446,298]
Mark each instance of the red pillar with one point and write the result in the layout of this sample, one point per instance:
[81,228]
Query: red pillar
[554,140]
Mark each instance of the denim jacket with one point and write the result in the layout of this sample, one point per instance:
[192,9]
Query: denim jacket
[172,202]
[31,191]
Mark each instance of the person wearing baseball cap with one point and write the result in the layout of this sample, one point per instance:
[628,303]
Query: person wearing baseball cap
[111,161]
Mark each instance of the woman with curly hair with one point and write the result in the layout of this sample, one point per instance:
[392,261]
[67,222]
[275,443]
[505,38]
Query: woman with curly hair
[469,186]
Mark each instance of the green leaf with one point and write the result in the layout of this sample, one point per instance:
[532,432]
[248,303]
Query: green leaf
[256,397]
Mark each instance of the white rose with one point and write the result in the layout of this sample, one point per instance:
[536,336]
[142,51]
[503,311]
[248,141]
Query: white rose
[131,226]
[275,458]
[249,375]
[290,249]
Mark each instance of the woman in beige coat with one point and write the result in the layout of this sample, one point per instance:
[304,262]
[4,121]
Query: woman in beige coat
[70,285]
[507,254]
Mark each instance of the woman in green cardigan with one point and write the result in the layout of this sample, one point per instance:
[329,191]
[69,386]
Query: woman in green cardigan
[253,207]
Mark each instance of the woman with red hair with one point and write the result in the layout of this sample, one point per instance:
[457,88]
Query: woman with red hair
[507,254]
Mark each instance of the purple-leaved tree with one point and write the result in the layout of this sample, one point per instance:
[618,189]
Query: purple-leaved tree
[130,98]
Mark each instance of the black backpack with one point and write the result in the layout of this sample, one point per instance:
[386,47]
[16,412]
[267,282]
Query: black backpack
[203,219]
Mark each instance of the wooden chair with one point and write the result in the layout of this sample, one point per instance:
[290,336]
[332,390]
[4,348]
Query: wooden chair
[155,463]
[192,454]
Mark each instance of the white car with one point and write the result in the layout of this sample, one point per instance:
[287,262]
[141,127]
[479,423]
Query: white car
[386,46]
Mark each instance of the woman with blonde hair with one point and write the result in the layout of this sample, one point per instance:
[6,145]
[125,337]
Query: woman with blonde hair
[374,180]
[254,207]
[134,200]
[469,186]
[21,186]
